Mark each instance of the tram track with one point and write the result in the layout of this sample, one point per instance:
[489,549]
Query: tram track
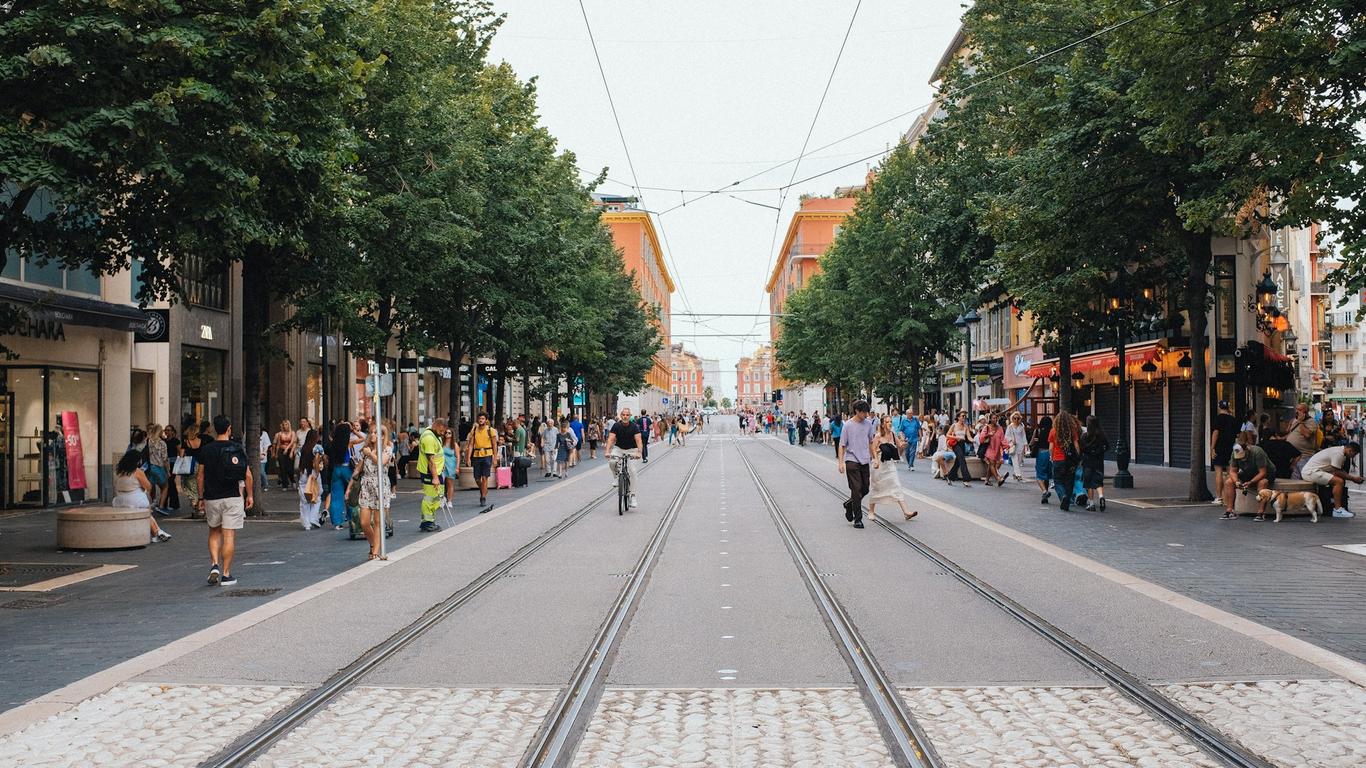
[557,741]
[1200,733]
[909,743]
[258,741]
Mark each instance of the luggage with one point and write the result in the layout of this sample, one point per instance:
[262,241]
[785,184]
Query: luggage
[519,472]
[503,477]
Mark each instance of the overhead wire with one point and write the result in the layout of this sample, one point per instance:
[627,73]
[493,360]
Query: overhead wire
[941,98]
[630,164]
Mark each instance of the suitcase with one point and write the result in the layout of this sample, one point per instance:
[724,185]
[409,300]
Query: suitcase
[518,473]
[503,477]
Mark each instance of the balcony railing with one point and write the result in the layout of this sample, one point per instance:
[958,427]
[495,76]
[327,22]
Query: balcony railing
[808,249]
[1318,288]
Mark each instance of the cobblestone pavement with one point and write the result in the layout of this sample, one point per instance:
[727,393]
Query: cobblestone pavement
[1316,593]
[730,728]
[416,727]
[1311,723]
[146,725]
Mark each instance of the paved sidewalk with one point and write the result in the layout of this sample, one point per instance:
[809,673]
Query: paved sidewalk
[1281,575]
[54,638]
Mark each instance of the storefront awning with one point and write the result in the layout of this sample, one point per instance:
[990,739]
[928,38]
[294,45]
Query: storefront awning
[1103,361]
[74,310]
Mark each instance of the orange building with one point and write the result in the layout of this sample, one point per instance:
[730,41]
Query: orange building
[634,233]
[813,228]
[754,379]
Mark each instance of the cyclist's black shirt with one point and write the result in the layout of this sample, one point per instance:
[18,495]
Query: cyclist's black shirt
[626,433]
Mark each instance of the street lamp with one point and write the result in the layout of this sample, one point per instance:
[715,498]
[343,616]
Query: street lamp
[965,322]
[1119,307]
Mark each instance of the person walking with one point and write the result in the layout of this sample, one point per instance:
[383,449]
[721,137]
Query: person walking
[1223,430]
[375,490]
[994,444]
[339,464]
[816,435]
[311,481]
[910,437]
[131,489]
[1043,456]
[284,455]
[575,426]
[481,453]
[158,467]
[803,428]
[1065,447]
[186,471]
[564,450]
[594,431]
[431,468]
[960,435]
[1016,441]
[450,468]
[519,437]
[549,437]
[265,454]
[836,430]
[223,478]
[1093,446]
[853,454]
[170,499]
[884,483]
[646,431]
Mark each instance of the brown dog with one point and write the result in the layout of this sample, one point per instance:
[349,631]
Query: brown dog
[1281,502]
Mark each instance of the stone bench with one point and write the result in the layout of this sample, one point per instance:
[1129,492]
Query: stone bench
[100,527]
[1247,504]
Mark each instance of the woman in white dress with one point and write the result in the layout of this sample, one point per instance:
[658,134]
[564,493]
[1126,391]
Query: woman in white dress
[1016,442]
[885,483]
[130,490]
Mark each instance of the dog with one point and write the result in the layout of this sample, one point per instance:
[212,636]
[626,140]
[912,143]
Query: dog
[1282,501]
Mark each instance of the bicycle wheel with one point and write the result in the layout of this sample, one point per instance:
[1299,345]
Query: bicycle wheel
[623,491]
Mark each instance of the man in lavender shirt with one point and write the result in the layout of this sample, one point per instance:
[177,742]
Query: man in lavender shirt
[854,454]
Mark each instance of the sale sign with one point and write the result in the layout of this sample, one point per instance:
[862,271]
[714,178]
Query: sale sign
[75,454]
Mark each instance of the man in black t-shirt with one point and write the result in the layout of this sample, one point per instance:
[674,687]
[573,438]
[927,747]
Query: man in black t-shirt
[1223,431]
[223,474]
[625,437]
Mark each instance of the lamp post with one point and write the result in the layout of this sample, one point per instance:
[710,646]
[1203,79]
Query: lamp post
[1118,301]
[965,321]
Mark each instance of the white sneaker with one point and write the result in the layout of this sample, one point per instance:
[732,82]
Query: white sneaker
[1217,501]
[162,536]
[1340,512]
[634,504]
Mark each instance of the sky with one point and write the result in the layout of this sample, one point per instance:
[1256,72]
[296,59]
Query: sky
[709,92]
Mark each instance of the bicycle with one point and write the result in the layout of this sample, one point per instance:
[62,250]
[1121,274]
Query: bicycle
[623,481]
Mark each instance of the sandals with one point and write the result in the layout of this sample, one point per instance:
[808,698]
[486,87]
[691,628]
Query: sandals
[373,556]
[911,514]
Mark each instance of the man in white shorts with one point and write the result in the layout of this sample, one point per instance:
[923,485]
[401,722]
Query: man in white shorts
[1328,468]
[224,474]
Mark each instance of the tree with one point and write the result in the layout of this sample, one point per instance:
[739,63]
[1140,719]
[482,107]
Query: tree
[725,403]
[709,396]
[1242,126]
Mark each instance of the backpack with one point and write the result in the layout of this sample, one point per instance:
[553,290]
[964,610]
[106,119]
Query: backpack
[232,462]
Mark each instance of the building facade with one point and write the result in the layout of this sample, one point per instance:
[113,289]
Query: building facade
[633,232]
[754,379]
[811,231]
[688,380]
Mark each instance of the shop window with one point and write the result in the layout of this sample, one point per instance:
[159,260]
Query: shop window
[201,384]
[52,454]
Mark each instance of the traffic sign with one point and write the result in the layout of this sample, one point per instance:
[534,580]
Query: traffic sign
[384,383]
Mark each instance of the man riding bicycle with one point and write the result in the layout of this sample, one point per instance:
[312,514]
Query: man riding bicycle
[625,433]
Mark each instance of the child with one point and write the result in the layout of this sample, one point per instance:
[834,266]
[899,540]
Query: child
[450,469]
[564,446]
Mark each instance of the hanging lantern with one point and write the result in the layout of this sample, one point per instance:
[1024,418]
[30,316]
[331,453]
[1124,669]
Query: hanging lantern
[1185,365]
[1266,289]
[1077,378]
[1148,370]
[1114,375]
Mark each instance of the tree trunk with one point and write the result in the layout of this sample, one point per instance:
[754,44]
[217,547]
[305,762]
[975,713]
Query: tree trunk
[456,351]
[1199,256]
[916,389]
[255,318]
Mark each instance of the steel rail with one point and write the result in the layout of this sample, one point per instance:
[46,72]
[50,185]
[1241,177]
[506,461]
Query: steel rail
[559,735]
[911,745]
[1205,736]
[256,742]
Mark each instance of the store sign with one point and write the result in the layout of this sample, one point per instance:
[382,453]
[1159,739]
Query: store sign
[38,328]
[206,332]
[75,454]
[1022,364]
[156,329]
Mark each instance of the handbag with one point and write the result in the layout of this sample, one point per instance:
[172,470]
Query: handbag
[353,496]
[184,465]
[156,474]
[312,488]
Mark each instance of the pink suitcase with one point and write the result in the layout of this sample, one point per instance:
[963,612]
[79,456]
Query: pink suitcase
[503,477]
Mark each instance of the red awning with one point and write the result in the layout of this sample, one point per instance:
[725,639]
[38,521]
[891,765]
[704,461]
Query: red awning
[1273,356]
[1102,361]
